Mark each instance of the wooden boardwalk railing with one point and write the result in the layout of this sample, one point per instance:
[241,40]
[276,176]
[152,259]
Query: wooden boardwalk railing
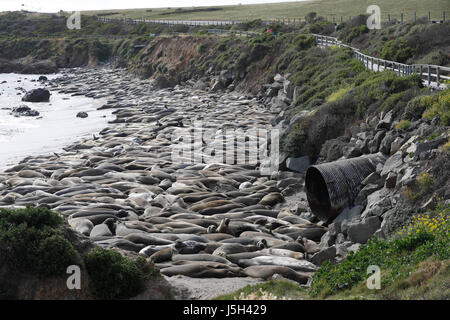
[432,75]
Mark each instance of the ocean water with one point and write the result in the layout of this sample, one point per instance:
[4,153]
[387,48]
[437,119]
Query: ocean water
[56,127]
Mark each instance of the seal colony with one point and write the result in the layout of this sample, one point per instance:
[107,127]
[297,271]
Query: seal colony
[201,220]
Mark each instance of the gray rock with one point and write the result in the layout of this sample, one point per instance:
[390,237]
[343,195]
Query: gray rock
[361,198]
[354,247]
[373,178]
[278,78]
[360,232]
[425,147]
[352,151]
[341,249]
[391,180]
[397,144]
[393,163]
[340,238]
[334,228]
[379,234]
[37,95]
[378,203]
[298,164]
[354,130]
[326,254]
[386,122]
[82,115]
[385,145]
[409,176]
[348,215]
[374,144]
[327,240]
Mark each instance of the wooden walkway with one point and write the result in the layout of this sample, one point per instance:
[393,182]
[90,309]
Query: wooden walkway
[431,75]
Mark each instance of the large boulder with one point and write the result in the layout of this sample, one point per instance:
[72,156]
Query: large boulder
[326,254]
[360,232]
[37,95]
[298,164]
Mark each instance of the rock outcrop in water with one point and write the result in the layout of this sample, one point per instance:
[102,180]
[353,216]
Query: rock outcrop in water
[37,95]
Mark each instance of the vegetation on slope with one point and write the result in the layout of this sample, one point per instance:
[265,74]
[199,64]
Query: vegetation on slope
[415,264]
[33,242]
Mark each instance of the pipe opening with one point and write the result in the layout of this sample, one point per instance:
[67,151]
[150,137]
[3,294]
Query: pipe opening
[317,193]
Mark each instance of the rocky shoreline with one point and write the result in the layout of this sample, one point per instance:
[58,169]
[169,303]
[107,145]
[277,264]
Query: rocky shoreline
[123,190]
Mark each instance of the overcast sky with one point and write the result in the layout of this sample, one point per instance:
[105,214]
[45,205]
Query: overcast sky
[72,5]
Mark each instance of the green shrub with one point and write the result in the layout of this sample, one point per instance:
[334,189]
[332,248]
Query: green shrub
[397,50]
[403,125]
[30,242]
[425,182]
[415,107]
[426,236]
[114,276]
[202,48]
[338,94]
[352,33]
[438,105]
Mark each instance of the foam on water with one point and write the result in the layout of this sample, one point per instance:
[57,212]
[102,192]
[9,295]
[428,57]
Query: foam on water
[29,136]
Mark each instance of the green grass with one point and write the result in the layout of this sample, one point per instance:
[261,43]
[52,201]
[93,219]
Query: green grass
[403,124]
[424,239]
[290,10]
[274,288]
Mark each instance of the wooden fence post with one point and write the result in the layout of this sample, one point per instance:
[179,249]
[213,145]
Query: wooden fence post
[401,17]
[429,16]
[415,17]
[443,16]
[429,75]
[438,78]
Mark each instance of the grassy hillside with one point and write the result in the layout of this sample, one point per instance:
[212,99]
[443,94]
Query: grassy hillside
[325,8]
[414,265]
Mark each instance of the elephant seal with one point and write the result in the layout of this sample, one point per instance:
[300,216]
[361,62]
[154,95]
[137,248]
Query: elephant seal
[145,239]
[201,257]
[203,270]
[217,237]
[271,199]
[189,246]
[235,257]
[121,244]
[270,240]
[162,255]
[81,225]
[292,246]
[297,265]
[311,247]
[229,248]
[283,253]
[267,272]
